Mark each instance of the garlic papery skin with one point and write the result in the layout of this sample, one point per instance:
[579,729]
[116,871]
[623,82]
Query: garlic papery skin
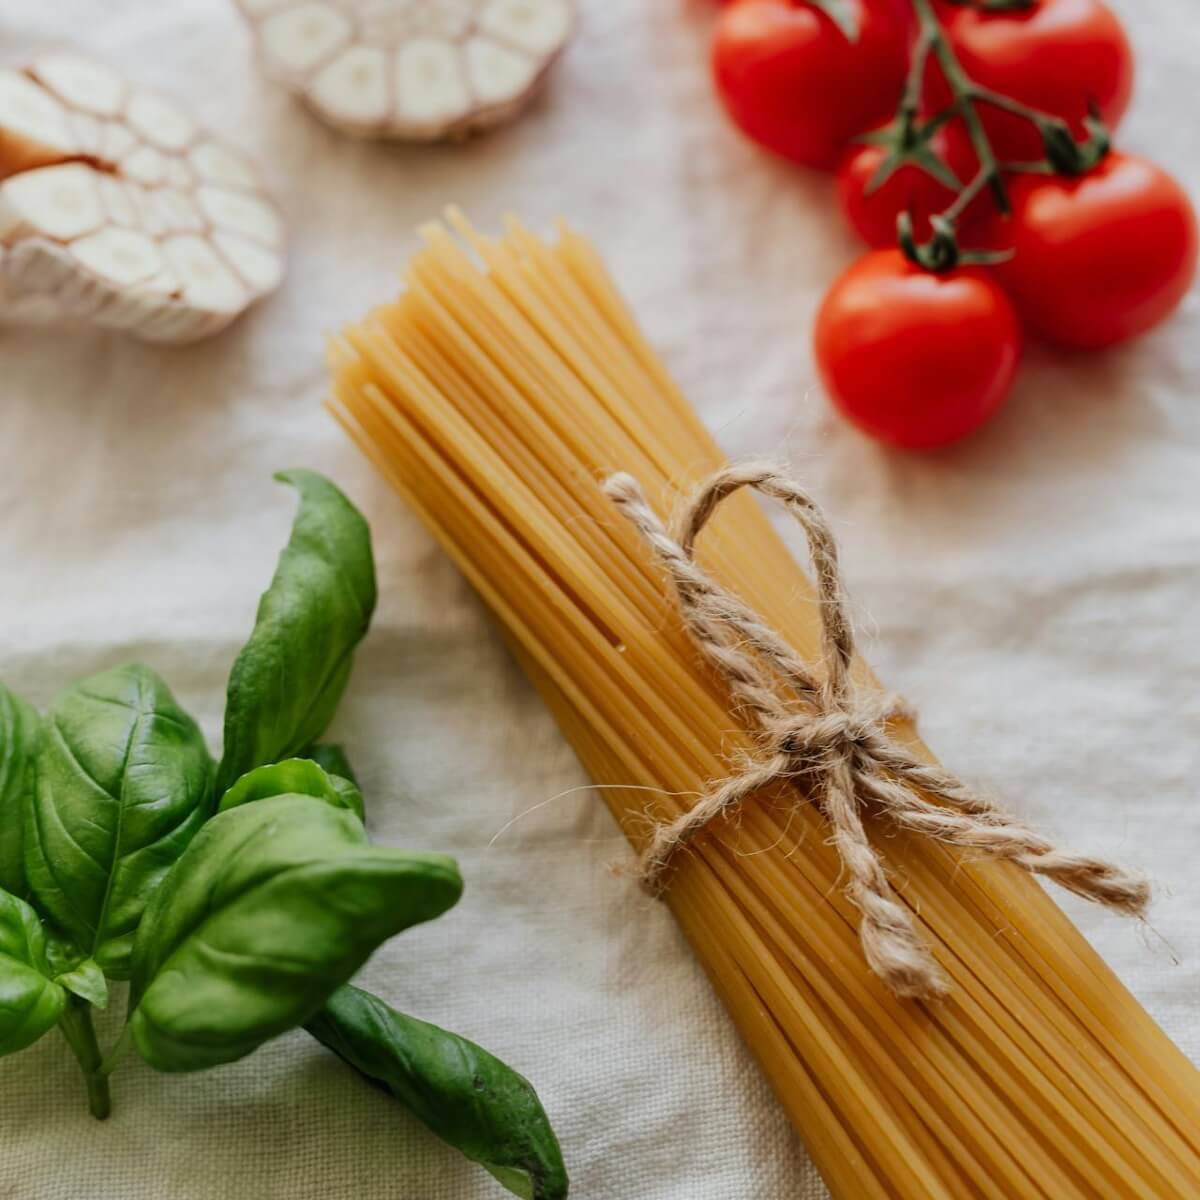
[118,209]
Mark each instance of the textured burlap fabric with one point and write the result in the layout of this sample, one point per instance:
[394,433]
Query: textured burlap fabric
[1033,593]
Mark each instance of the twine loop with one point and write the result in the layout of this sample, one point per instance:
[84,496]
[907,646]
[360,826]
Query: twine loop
[832,741]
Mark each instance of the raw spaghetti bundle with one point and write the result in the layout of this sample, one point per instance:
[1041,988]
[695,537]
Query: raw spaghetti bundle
[498,395]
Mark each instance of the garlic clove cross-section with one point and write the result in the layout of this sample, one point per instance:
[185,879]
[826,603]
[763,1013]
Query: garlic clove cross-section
[416,70]
[117,209]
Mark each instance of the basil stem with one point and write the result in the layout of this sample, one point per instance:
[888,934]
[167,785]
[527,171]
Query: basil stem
[77,1028]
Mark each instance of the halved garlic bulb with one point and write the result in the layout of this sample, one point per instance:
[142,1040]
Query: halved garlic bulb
[118,209]
[418,70]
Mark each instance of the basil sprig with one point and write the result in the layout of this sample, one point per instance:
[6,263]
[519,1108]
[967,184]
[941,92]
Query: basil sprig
[238,899]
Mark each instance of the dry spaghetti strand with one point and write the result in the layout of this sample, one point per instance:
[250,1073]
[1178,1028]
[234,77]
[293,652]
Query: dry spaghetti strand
[496,393]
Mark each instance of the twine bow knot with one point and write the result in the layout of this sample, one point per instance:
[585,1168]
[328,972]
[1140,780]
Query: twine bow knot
[817,737]
[832,740]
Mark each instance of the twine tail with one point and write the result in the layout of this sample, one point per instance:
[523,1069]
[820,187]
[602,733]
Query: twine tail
[989,829]
[893,948]
[669,836]
[1110,884]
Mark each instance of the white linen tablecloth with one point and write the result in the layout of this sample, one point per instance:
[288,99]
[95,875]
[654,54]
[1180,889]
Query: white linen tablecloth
[1034,592]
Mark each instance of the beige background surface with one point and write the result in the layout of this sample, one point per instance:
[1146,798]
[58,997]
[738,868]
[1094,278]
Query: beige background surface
[1034,592]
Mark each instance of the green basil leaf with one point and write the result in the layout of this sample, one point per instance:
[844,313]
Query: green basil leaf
[87,982]
[123,784]
[331,758]
[274,906]
[468,1097]
[30,1001]
[68,966]
[62,955]
[350,796]
[20,729]
[297,777]
[290,675]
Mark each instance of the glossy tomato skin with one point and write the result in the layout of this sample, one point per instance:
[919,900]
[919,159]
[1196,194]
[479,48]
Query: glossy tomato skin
[1053,56]
[915,359]
[792,82]
[1098,258]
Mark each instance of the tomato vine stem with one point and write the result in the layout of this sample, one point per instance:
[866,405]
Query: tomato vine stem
[80,1033]
[1063,153]
[963,90]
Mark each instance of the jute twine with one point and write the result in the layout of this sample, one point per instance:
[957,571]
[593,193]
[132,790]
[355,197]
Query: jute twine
[818,732]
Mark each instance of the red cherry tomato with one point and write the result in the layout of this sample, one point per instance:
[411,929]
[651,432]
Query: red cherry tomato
[1055,56]
[909,188]
[913,358]
[794,83]
[1097,258]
